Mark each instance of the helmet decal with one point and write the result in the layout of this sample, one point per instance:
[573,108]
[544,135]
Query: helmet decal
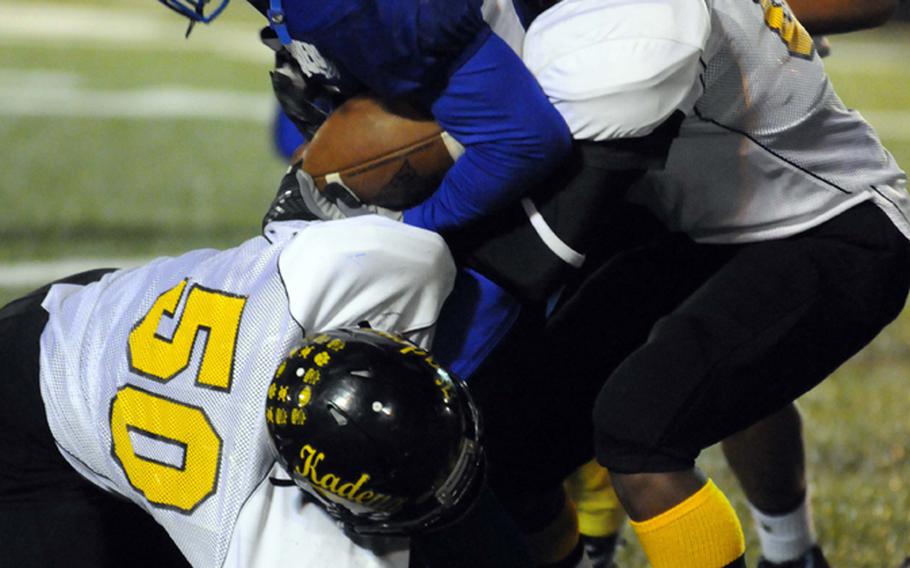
[375,431]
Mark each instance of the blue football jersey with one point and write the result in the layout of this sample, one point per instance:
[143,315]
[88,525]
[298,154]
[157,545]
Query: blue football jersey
[391,47]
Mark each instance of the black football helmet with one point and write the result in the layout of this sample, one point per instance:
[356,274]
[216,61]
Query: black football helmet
[378,434]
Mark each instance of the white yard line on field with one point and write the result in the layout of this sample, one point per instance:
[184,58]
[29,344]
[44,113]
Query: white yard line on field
[36,93]
[70,100]
[38,78]
[122,28]
[38,273]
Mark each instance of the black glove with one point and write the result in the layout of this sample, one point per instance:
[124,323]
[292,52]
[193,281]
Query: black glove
[299,199]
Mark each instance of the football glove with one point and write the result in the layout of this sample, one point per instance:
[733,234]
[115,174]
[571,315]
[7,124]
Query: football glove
[299,199]
[307,103]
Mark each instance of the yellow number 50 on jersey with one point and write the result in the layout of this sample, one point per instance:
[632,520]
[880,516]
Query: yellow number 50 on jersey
[184,427]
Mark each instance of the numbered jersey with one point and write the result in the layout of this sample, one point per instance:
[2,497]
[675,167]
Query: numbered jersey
[154,379]
[767,149]
[770,149]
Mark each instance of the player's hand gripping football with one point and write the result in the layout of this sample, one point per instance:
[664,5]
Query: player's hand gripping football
[367,157]
[298,198]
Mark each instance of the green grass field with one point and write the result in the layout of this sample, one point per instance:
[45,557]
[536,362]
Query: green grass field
[121,140]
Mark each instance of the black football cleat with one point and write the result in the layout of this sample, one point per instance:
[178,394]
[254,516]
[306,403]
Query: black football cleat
[813,558]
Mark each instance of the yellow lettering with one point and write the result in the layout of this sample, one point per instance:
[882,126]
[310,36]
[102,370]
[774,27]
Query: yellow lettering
[329,482]
[409,348]
[792,33]
[180,487]
[208,324]
[215,313]
[335,485]
[349,490]
[444,386]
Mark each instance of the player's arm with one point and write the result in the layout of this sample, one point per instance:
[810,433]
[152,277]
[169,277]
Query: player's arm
[623,120]
[839,16]
[370,269]
[513,138]
[443,56]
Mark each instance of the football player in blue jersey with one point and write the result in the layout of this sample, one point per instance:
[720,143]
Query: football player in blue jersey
[788,418]
[442,56]
[441,214]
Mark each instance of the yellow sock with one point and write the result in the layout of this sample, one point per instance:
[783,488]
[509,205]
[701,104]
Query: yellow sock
[701,532]
[599,510]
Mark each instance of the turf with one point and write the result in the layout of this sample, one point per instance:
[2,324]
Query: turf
[128,187]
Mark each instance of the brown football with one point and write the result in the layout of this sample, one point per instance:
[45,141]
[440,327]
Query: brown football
[382,154]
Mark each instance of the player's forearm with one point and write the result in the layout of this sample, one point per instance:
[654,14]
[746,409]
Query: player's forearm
[368,267]
[840,16]
[513,137]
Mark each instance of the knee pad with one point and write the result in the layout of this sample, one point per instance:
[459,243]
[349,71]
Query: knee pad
[622,447]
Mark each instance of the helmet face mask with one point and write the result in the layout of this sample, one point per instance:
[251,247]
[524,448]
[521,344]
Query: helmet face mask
[195,10]
[375,432]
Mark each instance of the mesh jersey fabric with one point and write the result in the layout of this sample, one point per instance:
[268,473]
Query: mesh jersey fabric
[767,149]
[312,276]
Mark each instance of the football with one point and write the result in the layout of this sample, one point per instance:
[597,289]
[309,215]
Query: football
[386,154]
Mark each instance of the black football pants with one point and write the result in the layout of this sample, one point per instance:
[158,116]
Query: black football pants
[672,346]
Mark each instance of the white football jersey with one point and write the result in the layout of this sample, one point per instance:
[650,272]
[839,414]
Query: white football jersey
[766,150]
[154,379]
[503,19]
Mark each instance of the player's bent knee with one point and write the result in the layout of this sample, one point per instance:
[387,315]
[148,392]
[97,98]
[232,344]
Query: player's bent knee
[621,452]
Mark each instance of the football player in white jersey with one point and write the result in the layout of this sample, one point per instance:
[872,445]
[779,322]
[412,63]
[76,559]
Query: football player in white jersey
[151,383]
[787,194]
[592,105]
[768,458]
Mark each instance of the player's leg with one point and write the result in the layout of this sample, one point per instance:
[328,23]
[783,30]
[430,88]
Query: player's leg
[49,514]
[600,514]
[773,321]
[769,462]
[543,431]
[509,397]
